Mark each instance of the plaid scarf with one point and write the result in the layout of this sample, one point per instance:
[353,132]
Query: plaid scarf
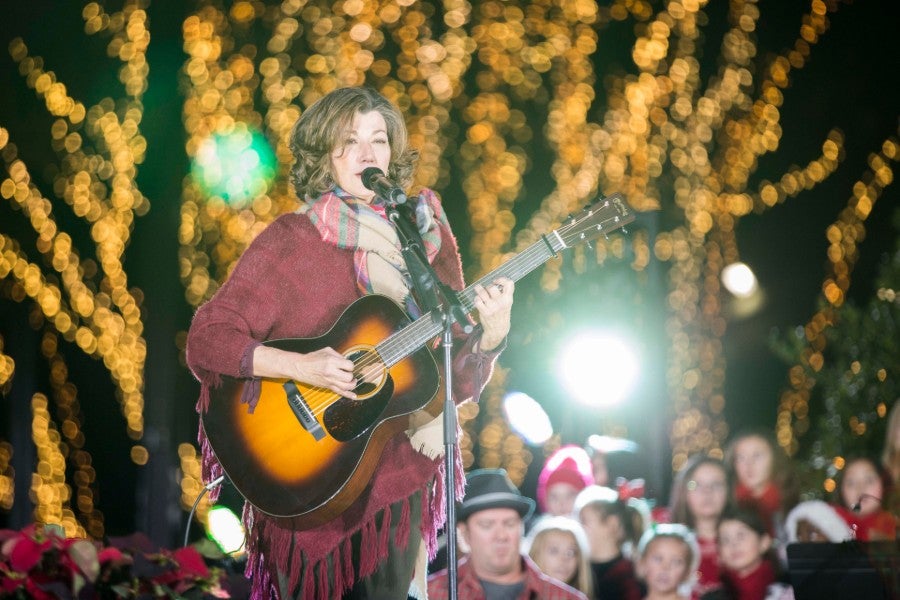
[347,222]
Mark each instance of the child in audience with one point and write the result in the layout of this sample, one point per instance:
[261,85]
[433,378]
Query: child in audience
[608,455]
[611,527]
[761,476]
[566,472]
[559,547]
[668,557]
[816,521]
[698,498]
[747,560]
[861,491]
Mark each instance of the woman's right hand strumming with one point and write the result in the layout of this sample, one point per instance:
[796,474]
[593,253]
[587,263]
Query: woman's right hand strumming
[324,368]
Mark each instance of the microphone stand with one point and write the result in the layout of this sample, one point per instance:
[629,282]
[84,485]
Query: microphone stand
[442,302]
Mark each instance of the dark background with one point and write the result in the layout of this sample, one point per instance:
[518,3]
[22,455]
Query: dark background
[850,83]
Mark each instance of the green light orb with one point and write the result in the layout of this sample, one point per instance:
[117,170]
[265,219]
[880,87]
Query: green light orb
[236,166]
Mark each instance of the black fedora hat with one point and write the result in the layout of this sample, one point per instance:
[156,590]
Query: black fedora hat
[492,488]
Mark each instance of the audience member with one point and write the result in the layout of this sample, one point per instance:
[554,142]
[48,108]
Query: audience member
[762,476]
[613,457]
[667,559]
[611,527]
[559,547]
[861,493]
[566,472]
[816,521]
[748,562]
[698,498]
[491,517]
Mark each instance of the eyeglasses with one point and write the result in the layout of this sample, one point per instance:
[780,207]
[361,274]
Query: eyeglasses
[715,486]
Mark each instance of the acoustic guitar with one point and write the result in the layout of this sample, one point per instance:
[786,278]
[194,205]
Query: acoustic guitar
[305,453]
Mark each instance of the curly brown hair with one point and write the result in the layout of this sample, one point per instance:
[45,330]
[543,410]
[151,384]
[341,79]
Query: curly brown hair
[320,130]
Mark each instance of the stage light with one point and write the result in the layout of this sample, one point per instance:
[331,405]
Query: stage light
[527,418]
[225,529]
[606,444]
[740,280]
[599,368]
[236,166]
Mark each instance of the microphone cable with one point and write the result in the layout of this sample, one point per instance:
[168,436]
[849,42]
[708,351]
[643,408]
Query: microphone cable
[206,489]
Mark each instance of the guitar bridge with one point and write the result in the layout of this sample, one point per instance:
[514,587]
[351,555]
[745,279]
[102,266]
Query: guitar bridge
[302,411]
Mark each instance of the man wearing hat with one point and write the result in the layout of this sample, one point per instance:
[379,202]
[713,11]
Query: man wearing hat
[490,520]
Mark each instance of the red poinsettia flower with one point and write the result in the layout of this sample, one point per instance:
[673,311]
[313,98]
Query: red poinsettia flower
[10,581]
[190,563]
[40,562]
[37,592]
[111,555]
[27,552]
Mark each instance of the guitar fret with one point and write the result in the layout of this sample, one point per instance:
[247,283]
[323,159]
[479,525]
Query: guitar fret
[412,337]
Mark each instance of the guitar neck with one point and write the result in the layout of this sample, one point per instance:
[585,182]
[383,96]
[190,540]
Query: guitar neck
[598,219]
[425,328]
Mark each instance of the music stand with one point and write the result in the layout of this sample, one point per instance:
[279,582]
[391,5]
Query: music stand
[852,569]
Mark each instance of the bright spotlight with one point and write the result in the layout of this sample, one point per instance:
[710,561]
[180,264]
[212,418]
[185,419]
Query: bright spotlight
[739,279]
[225,529]
[527,418]
[599,369]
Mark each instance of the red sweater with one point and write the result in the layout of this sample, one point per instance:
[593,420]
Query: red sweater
[288,283]
[879,525]
[709,576]
[753,585]
[768,504]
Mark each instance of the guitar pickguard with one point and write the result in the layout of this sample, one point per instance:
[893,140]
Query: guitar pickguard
[347,419]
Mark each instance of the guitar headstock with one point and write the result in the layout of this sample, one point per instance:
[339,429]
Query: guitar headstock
[600,218]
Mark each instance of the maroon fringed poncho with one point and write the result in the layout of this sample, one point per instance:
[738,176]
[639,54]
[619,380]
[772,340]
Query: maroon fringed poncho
[289,283]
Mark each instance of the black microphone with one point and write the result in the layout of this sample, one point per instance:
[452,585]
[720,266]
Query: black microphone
[858,506]
[374,179]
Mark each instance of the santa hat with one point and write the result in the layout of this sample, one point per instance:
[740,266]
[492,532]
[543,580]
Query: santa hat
[569,464]
[823,516]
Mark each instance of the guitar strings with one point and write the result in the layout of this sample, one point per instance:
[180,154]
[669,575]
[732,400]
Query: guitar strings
[320,399]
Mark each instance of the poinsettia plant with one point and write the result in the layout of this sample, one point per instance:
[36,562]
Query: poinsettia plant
[41,562]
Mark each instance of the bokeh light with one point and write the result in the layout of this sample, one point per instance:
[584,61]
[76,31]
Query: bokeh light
[527,418]
[740,280]
[225,529]
[236,166]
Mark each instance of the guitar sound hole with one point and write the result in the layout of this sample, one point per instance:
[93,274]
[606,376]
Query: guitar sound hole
[347,419]
[369,371]
[365,389]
